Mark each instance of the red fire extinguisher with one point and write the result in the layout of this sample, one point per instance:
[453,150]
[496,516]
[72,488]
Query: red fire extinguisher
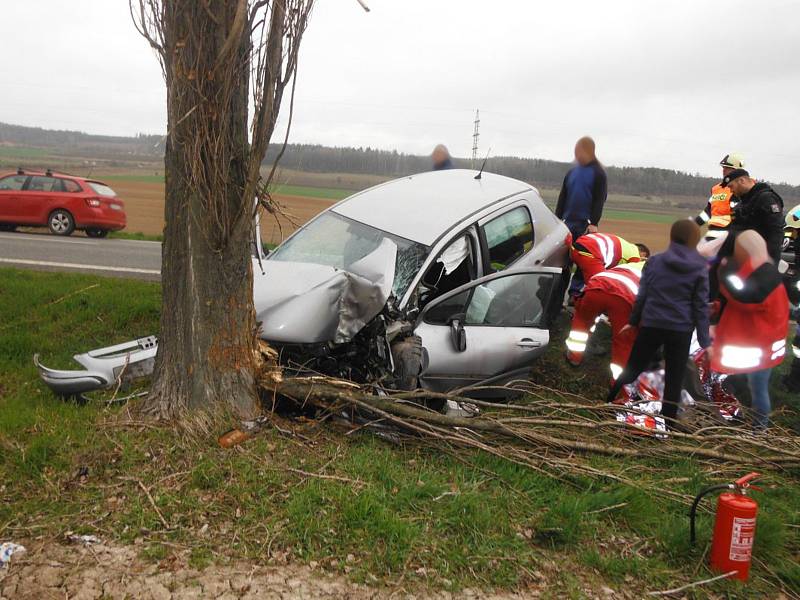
[734,527]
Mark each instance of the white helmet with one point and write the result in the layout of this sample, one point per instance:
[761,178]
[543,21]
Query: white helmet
[793,218]
[732,161]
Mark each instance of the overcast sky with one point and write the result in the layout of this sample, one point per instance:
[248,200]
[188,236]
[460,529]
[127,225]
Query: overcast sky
[669,84]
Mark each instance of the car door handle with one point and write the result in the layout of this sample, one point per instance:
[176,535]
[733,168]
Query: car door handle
[528,343]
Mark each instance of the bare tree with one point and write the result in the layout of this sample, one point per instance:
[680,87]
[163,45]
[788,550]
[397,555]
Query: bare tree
[218,57]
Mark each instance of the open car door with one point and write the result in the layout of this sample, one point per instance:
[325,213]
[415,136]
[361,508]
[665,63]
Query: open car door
[488,331]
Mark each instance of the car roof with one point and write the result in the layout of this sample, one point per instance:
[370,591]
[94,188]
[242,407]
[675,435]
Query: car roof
[423,207]
[26,172]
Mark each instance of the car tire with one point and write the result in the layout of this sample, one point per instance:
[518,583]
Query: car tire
[61,222]
[6,227]
[94,232]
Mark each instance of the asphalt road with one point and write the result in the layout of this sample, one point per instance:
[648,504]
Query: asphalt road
[120,258]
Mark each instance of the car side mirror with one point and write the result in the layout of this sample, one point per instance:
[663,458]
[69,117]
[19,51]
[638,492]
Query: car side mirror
[457,333]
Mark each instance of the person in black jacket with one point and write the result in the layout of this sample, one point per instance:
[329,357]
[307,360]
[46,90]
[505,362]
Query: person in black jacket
[758,208]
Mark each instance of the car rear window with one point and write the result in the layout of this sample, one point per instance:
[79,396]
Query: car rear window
[101,189]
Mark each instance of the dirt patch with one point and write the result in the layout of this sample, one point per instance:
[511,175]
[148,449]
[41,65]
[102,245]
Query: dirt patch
[80,572]
[654,235]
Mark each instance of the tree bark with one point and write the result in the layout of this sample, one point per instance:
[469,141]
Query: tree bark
[207,341]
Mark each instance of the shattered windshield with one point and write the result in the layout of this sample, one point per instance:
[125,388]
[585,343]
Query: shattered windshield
[337,241]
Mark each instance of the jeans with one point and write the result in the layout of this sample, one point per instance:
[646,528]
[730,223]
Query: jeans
[676,351]
[758,382]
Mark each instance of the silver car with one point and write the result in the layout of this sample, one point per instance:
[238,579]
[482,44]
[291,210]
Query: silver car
[439,280]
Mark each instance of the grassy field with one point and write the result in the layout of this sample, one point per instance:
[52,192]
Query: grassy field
[305,492]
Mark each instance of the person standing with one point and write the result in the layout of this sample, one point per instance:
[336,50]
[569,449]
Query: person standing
[440,157]
[751,334]
[791,381]
[670,306]
[717,213]
[758,207]
[583,192]
[582,197]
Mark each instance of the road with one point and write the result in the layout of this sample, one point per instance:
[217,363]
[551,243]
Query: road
[119,258]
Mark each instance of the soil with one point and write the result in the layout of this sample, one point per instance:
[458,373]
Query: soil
[144,204]
[82,572]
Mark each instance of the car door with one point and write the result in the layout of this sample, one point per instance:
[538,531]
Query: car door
[488,331]
[10,198]
[38,198]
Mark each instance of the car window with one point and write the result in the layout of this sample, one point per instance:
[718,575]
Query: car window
[101,189]
[337,241]
[68,185]
[508,237]
[516,300]
[43,184]
[13,182]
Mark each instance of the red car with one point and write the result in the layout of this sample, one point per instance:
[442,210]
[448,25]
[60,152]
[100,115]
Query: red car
[60,202]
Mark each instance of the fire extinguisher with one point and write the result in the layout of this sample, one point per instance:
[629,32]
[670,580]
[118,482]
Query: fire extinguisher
[734,526]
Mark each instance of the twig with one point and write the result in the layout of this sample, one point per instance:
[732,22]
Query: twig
[691,585]
[153,504]
[607,508]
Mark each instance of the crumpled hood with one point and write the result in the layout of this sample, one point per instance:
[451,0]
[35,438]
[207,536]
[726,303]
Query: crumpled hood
[681,259]
[307,303]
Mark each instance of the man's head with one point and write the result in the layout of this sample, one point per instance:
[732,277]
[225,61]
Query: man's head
[644,251]
[730,162]
[440,155]
[685,232]
[738,181]
[584,150]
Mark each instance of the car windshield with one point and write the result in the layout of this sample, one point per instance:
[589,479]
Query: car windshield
[101,189]
[336,241]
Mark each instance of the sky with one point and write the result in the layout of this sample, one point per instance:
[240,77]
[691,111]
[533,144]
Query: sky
[674,84]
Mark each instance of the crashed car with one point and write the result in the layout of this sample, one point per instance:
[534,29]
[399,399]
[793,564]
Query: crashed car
[441,280]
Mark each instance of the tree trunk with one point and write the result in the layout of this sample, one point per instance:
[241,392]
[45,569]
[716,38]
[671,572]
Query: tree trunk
[207,341]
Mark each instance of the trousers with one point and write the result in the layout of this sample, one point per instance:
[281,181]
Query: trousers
[676,349]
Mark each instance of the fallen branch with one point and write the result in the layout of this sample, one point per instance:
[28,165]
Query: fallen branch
[692,585]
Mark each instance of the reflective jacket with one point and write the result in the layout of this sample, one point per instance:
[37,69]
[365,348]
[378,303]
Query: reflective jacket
[751,334]
[610,249]
[717,213]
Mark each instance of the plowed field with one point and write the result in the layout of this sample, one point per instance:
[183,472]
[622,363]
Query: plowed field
[144,202]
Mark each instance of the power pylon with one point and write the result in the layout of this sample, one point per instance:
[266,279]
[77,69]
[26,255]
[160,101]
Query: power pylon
[475,135]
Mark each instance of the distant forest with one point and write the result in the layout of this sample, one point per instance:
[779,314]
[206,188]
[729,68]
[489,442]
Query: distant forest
[641,181]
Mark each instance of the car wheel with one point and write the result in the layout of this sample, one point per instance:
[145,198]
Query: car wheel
[7,227]
[61,222]
[94,232]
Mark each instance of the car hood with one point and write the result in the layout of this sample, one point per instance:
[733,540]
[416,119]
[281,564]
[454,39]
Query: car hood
[305,303]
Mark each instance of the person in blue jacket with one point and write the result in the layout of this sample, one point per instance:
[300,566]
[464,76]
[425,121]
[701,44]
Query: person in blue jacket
[582,197]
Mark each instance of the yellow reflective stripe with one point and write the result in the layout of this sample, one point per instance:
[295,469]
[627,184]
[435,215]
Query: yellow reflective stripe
[720,221]
[573,346]
[579,336]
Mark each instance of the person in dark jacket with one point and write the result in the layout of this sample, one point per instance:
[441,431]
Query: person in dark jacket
[583,192]
[670,306]
[580,202]
[440,157]
[759,208]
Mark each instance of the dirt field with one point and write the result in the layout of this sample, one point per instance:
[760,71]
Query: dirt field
[144,204]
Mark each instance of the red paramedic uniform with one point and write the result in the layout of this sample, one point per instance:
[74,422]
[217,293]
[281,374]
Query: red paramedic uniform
[597,252]
[613,293]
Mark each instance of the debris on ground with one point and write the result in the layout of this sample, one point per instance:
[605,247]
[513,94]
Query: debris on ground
[7,550]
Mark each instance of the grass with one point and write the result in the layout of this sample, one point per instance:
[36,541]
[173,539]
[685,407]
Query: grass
[383,511]
[136,235]
[23,152]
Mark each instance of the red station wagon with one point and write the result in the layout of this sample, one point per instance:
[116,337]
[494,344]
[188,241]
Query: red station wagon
[63,203]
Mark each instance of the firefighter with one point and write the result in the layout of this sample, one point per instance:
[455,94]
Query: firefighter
[717,213]
[792,281]
[595,252]
[613,293]
[751,335]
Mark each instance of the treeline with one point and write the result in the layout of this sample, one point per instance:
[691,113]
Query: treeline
[643,181]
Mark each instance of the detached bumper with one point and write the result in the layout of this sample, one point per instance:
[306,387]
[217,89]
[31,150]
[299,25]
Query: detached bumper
[103,368]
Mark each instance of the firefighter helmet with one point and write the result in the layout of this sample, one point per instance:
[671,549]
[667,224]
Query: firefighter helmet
[793,218]
[732,161]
